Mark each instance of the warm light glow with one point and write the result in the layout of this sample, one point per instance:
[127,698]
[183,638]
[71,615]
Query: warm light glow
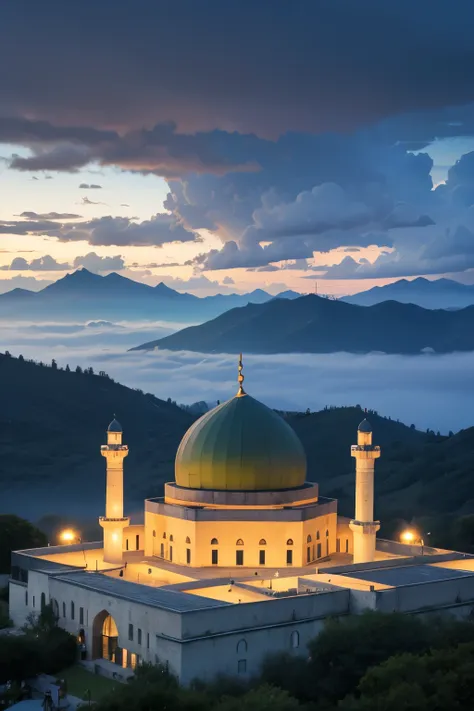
[68,536]
[408,537]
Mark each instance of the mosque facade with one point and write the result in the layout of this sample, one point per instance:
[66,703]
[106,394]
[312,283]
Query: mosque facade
[241,557]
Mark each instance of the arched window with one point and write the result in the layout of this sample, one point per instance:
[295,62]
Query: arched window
[43,601]
[241,647]
[154,534]
[309,539]
[214,542]
[289,542]
[239,542]
[327,533]
[171,538]
[294,639]
[188,540]
[262,542]
[317,536]
[164,535]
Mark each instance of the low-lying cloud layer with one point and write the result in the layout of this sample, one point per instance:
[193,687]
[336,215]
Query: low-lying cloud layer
[428,391]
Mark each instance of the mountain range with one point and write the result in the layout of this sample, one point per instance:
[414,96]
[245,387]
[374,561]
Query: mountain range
[431,294]
[53,422]
[85,295]
[313,324]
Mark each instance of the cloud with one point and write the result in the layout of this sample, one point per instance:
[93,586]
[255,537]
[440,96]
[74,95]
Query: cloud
[337,81]
[41,264]
[86,201]
[228,280]
[50,216]
[106,231]
[198,282]
[413,387]
[22,282]
[161,150]
[94,263]
[89,186]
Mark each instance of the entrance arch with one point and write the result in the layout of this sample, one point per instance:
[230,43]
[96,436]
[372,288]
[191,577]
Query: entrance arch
[104,637]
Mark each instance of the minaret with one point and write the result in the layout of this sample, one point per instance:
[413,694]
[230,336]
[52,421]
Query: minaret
[114,521]
[363,525]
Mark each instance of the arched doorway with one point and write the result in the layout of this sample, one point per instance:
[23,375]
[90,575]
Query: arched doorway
[105,642]
[104,637]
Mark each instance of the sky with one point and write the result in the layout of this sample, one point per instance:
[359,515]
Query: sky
[224,146]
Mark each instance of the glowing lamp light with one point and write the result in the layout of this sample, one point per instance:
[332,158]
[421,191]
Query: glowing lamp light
[408,537]
[68,536]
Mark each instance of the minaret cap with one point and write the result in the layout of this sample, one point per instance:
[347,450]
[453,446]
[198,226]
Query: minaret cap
[114,426]
[240,379]
[365,426]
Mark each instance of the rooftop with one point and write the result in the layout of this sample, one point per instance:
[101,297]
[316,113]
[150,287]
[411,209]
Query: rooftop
[409,574]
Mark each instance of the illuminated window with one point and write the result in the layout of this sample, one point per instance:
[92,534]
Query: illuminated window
[309,539]
[241,647]
[294,639]
[214,542]
[262,542]
[289,542]
[242,666]
[239,542]
[188,540]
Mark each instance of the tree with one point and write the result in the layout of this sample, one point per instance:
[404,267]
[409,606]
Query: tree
[434,681]
[263,698]
[54,365]
[67,368]
[78,369]
[17,534]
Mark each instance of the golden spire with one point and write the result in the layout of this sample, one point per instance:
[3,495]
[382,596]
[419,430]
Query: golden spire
[240,379]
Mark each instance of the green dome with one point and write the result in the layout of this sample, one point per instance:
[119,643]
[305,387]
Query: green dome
[241,445]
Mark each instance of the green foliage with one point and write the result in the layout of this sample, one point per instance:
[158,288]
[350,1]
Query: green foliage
[347,648]
[17,534]
[263,698]
[43,648]
[435,681]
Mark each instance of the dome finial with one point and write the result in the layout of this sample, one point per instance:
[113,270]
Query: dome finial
[240,378]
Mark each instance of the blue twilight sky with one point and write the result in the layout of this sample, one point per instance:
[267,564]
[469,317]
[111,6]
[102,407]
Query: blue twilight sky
[220,146]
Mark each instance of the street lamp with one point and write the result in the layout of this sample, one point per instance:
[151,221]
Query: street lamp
[68,536]
[413,537]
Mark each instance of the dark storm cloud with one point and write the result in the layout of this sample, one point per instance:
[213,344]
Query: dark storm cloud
[160,150]
[237,64]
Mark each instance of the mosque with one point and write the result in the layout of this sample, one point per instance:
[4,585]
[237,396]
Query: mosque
[241,557]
